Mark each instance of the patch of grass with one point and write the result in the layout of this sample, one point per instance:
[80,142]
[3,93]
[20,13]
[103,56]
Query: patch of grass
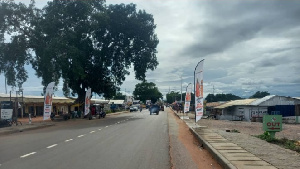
[283,142]
[235,131]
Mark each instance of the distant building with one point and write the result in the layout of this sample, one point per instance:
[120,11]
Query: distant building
[255,109]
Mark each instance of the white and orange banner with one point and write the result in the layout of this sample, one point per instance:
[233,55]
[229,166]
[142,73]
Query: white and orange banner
[198,74]
[188,98]
[87,101]
[48,101]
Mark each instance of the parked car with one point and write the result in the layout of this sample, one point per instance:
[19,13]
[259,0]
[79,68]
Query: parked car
[154,109]
[133,108]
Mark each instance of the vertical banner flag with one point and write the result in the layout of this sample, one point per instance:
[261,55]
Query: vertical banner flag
[188,97]
[198,74]
[87,101]
[48,100]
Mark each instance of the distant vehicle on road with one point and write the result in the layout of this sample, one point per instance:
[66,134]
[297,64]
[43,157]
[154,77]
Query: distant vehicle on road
[133,108]
[154,109]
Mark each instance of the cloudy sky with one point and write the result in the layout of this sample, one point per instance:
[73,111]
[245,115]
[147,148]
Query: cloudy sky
[248,46]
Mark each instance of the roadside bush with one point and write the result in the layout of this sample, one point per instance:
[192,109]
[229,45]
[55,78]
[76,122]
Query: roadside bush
[266,136]
[235,131]
[283,142]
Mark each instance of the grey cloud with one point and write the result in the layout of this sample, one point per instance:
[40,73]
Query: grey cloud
[234,22]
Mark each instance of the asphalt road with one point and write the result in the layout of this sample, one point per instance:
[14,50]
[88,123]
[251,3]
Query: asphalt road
[129,140]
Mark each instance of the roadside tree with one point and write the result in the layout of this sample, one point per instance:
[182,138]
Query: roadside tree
[260,94]
[84,43]
[147,91]
[173,96]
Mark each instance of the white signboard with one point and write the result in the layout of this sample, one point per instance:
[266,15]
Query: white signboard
[199,91]
[48,101]
[87,101]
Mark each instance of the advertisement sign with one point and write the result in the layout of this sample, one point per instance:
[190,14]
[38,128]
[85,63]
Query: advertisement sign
[48,101]
[6,110]
[272,123]
[198,77]
[87,101]
[188,98]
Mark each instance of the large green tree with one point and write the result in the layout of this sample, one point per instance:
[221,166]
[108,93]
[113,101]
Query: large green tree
[221,97]
[119,96]
[147,91]
[260,94]
[88,44]
[14,34]
[173,96]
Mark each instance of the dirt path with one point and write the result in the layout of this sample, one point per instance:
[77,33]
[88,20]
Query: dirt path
[185,150]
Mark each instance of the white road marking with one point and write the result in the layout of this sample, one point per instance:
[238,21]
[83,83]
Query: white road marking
[92,132]
[52,146]
[119,122]
[99,129]
[106,126]
[26,155]
[68,140]
[80,136]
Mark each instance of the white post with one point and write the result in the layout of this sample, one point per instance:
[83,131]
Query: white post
[29,118]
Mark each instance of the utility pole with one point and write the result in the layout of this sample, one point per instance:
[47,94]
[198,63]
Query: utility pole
[5,85]
[213,89]
[181,89]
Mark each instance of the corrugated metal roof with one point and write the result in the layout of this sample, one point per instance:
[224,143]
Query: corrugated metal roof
[214,104]
[261,100]
[38,99]
[298,98]
[4,95]
[99,101]
[236,103]
[116,101]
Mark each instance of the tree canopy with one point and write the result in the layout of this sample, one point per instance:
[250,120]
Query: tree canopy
[260,94]
[147,91]
[221,97]
[85,43]
[173,96]
[176,96]
[14,54]
[119,96]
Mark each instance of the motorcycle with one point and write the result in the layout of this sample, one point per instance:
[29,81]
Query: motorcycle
[52,115]
[102,114]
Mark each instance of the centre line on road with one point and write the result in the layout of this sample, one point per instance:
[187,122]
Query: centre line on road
[52,146]
[99,129]
[68,140]
[26,155]
[106,126]
[80,135]
[92,132]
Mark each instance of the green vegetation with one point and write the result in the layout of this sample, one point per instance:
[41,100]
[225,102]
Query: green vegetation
[147,91]
[283,142]
[221,97]
[84,43]
[260,94]
[229,97]
[119,96]
[173,96]
[235,131]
